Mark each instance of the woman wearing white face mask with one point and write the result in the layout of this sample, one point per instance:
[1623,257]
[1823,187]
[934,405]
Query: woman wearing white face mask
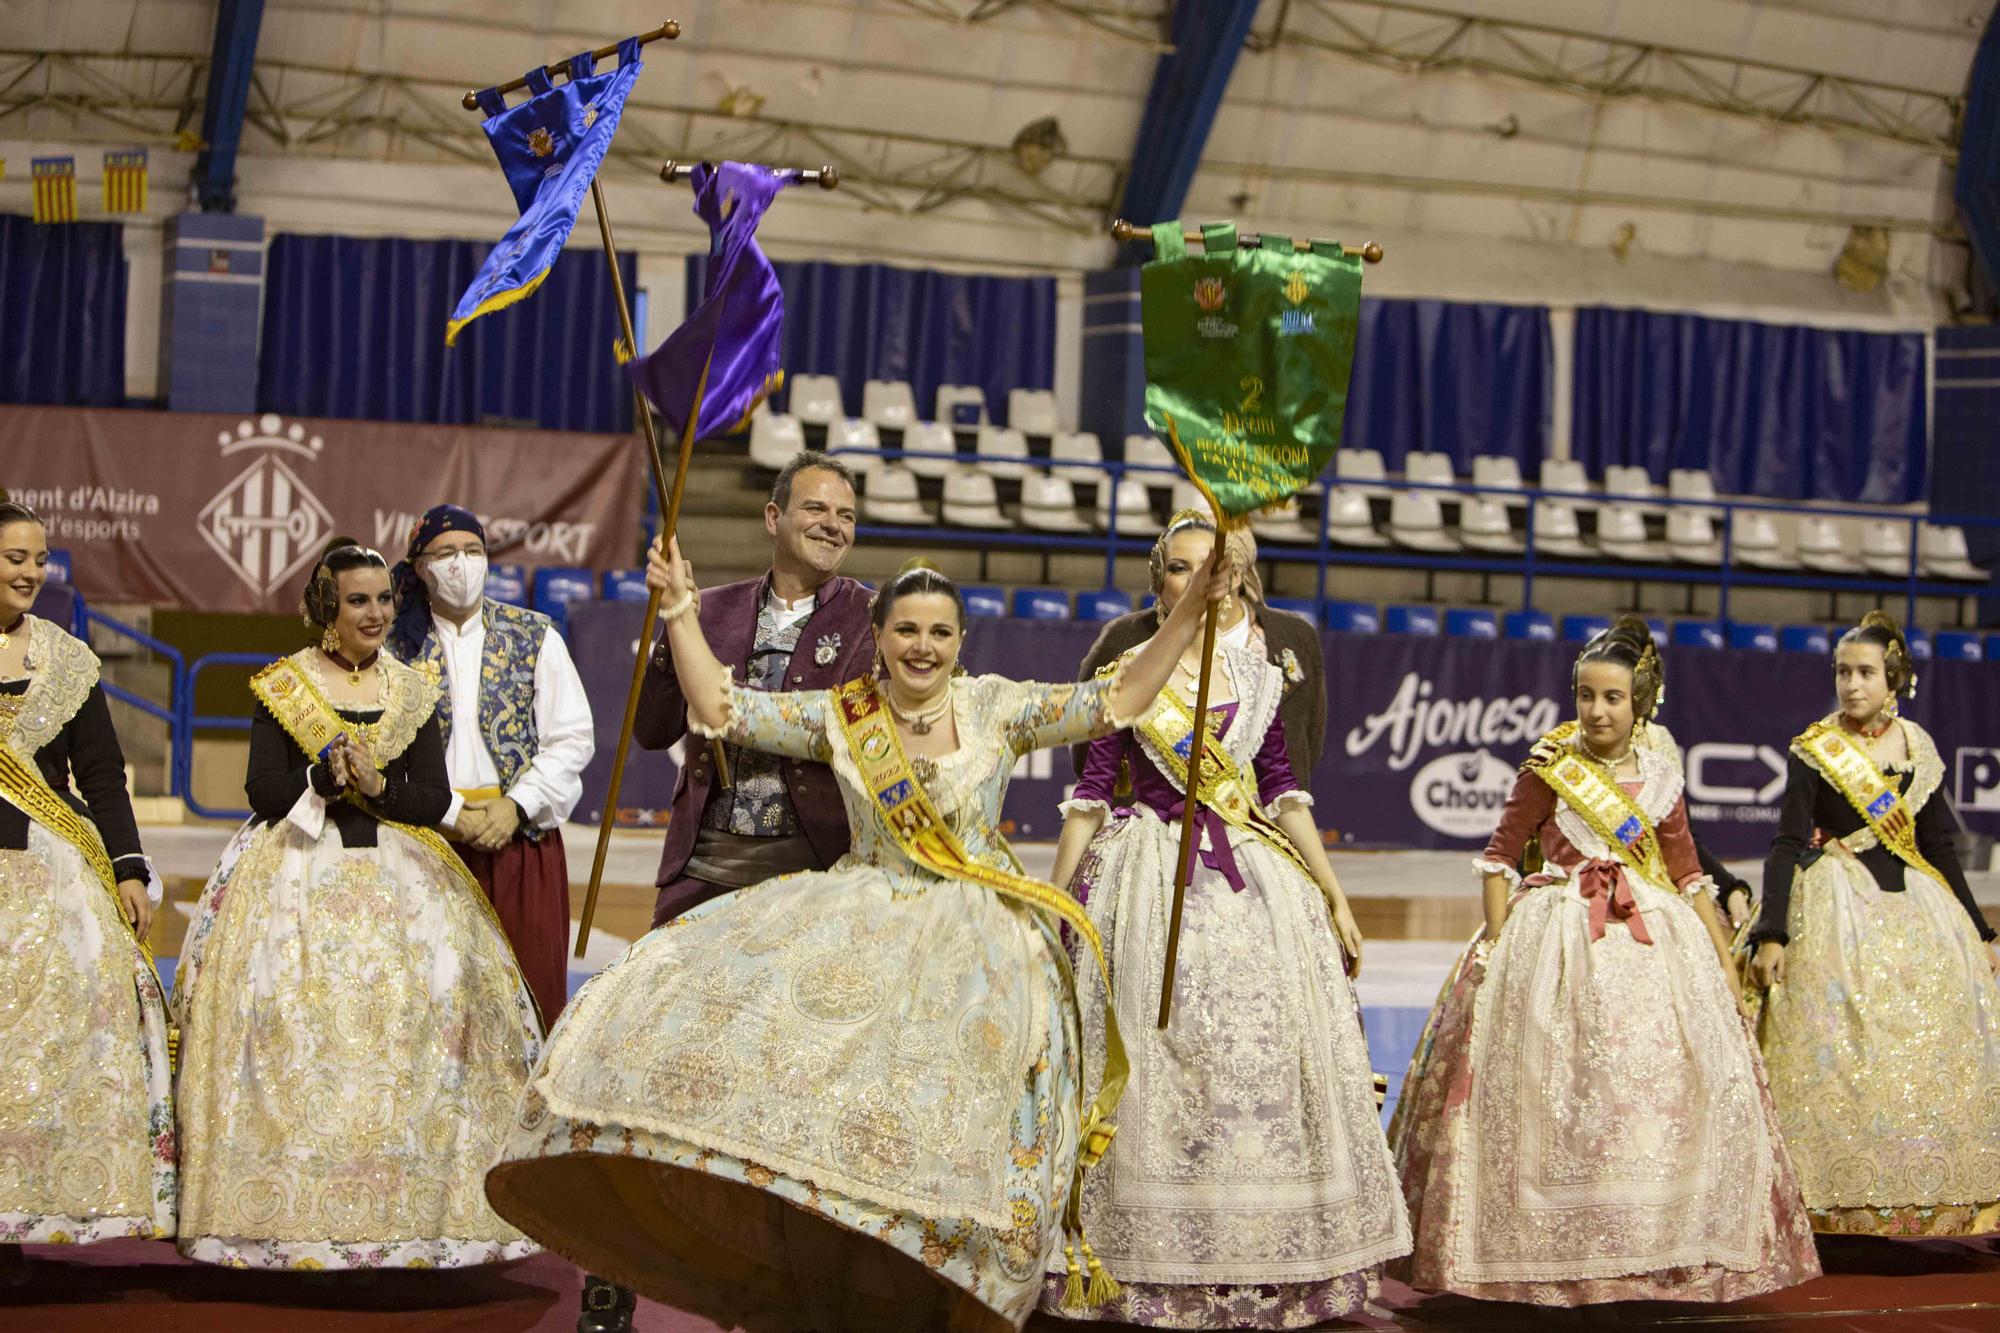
[517,732]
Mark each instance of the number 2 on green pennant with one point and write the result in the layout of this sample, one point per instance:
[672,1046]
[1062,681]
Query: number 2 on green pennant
[1253,394]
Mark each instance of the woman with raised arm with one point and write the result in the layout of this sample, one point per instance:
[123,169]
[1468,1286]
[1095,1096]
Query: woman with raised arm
[1585,1118]
[847,1098]
[1251,1186]
[1881,1025]
[86,1111]
[354,1032]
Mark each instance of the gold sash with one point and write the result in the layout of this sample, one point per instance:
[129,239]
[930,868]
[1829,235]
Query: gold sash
[927,839]
[24,788]
[1849,771]
[1599,801]
[1225,787]
[310,719]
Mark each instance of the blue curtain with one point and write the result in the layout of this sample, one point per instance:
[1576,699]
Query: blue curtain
[355,328]
[1452,377]
[62,306]
[861,322]
[1782,411]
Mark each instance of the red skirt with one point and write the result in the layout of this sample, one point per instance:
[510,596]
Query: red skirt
[528,883]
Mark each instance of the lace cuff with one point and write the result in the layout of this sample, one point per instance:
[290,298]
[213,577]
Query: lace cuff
[308,813]
[137,865]
[728,717]
[1296,799]
[1112,721]
[1485,866]
[1701,884]
[1078,805]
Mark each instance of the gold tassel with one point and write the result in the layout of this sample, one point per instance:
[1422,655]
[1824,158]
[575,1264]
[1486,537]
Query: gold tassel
[1104,1288]
[1073,1287]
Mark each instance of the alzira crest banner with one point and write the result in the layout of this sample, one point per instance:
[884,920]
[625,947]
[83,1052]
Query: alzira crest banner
[1248,353]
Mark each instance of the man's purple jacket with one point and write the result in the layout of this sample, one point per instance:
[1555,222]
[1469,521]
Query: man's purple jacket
[729,621]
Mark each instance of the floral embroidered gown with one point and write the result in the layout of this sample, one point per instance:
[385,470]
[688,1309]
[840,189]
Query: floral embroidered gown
[354,1031]
[86,1109]
[1250,1185]
[1884,1039]
[1586,1118]
[838,1098]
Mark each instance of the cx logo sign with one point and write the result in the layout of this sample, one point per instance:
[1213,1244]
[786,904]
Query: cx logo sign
[1726,773]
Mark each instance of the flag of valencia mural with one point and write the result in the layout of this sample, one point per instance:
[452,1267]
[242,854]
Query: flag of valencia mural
[550,147]
[1248,353]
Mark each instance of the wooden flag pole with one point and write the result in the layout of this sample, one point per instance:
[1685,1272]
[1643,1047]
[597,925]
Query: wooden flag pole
[669,499]
[666,32]
[1121,230]
[1183,866]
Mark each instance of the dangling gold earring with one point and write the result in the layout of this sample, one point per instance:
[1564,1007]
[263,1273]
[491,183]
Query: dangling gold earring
[329,641]
[1890,710]
[881,666]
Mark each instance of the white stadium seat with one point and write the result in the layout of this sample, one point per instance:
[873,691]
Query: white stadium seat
[1349,522]
[1416,521]
[1135,512]
[1048,504]
[774,438]
[970,501]
[1002,452]
[890,404]
[1483,526]
[1754,542]
[816,399]
[1691,538]
[1032,411]
[1557,531]
[933,445]
[1822,546]
[851,434]
[889,495]
[951,397]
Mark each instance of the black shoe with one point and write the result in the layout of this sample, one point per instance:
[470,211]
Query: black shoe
[607,1307]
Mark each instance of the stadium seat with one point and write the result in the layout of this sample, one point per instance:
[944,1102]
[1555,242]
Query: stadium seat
[1404,619]
[961,405]
[1470,623]
[1945,555]
[1353,617]
[928,447]
[1282,523]
[1099,606]
[1755,542]
[624,585]
[1032,412]
[507,583]
[849,434]
[1958,645]
[1633,486]
[1557,531]
[1048,504]
[1822,547]
[1621,535]
[1298,606]
[1483,526]
[1531,625]
[1077,455]
[1152,452]
[1416,521]
[60,568]
[1752,637]
[1691,538]
[1564,475]
[889,404]
[1919,640]
[1499,471]
[1805,639]
[1040,604]
[1885,549]
[970,501]
[1687,483]
[889,495]
[557,586]
[1429,468]
[816,399]
[983,603]
[1361,470]
[1581,629]
[1135,511]
[1699,634]
[1186,495]
[774,439]
[1348,520]
[1002,452]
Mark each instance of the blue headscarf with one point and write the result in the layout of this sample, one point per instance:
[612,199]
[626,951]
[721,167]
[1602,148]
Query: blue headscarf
[413,599]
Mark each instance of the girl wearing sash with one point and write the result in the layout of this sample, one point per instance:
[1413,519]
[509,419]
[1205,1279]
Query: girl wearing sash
[86,1113]
[847,1098]
[1251,1186]
[1882,1022]
[1586,1118]
[354,1030]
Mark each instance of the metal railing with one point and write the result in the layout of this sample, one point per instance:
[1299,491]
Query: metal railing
[191,722]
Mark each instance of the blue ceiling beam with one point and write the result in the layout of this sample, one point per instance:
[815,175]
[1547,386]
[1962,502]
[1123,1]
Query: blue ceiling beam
[1978,185]
[229,65]
[1188,84]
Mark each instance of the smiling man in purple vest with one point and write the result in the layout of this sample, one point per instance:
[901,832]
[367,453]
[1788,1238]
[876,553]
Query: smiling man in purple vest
[517,735]
[800,626]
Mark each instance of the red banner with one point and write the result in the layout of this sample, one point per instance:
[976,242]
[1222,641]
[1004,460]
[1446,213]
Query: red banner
[218,513]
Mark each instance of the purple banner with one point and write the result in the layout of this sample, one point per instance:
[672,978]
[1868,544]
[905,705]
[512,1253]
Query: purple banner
[1424,734]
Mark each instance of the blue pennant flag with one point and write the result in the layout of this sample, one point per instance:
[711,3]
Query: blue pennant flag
[550,147]
[737,328]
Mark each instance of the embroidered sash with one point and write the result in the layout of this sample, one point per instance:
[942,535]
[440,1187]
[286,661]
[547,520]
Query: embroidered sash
[1226,788]
[309,718]
[1849,771]
[927,839]
[1600,802]
[24,788]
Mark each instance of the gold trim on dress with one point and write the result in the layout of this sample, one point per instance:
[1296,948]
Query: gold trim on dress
[1849,771]
[1602,804]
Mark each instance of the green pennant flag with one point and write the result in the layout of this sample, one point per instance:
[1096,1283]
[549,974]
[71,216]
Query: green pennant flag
[1248,354]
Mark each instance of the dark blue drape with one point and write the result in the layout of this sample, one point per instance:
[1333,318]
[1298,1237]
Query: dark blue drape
[1452,377]
[860,322]
[62,309]
[1782,411]
[354,327]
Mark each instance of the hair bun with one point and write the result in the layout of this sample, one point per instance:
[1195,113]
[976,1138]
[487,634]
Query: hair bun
[1882,620]
[917,562]
[1632,626]
[334,544]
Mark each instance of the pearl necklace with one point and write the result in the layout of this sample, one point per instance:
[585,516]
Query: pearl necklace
[919,723]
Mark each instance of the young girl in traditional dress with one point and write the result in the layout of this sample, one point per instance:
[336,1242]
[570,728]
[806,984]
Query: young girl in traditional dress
[1586,1118]
[1251,1186]
[354,1030]
[86,1112]
[1881,1027]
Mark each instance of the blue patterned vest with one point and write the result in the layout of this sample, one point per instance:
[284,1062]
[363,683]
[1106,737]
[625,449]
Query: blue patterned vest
[506,685]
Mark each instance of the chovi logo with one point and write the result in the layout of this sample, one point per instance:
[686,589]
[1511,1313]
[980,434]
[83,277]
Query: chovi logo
[266,525]
[1460,795]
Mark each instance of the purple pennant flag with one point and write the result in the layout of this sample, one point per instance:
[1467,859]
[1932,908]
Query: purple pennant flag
[740,316]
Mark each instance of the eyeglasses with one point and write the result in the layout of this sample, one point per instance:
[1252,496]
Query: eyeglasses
[439,557]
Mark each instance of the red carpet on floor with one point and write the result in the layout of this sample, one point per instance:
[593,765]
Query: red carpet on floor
[144,1287]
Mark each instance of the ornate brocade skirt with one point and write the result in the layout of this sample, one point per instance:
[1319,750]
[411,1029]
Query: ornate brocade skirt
[86,1110]
[355,1036]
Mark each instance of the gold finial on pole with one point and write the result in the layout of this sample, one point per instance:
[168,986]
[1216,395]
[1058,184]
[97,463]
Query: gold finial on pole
[827,177]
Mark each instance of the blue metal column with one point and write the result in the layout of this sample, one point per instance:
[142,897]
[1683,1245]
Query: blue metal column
[1180,109]
[236,25]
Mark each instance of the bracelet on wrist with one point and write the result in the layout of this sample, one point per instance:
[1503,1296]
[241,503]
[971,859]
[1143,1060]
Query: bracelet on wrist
[678,609]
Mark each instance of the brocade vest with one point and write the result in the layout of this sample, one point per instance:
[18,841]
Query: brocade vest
[507,658]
